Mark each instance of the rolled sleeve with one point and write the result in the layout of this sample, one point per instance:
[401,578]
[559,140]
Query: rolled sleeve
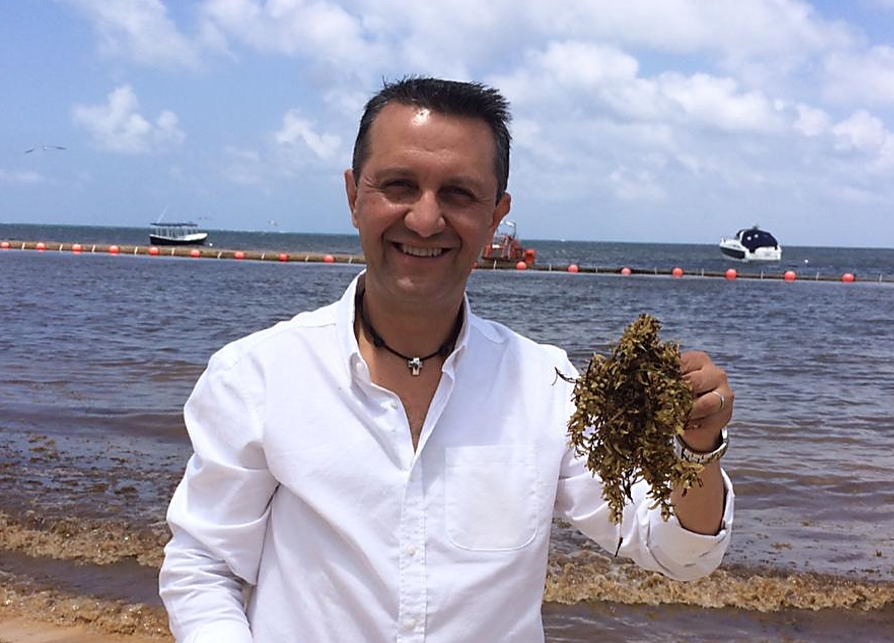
[684,554]
[653,543]
[218,514]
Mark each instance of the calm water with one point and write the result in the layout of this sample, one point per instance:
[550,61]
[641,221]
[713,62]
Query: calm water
[98,355]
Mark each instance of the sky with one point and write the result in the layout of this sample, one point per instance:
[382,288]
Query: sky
[674,121]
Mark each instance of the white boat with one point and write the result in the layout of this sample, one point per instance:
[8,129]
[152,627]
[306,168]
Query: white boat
[752,244]
[176,234]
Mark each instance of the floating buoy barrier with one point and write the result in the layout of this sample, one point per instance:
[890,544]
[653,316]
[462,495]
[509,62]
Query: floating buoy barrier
[284,257]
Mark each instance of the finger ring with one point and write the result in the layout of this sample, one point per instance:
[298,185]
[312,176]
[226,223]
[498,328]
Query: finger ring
[722,399]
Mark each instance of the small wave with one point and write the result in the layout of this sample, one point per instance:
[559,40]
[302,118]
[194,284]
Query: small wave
[587,576]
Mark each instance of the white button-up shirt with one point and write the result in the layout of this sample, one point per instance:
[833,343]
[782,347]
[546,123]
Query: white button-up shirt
[306,515]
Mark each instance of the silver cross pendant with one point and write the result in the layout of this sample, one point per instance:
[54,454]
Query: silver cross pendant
[415,365]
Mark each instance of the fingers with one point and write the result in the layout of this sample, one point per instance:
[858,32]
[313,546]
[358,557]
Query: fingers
[713,396]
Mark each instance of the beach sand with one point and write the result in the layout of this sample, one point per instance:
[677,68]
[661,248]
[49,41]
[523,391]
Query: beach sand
[27,630]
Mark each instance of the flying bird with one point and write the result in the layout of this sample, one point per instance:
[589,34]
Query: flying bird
[44,147]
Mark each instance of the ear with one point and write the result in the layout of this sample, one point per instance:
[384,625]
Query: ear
[351,191]
[500,211]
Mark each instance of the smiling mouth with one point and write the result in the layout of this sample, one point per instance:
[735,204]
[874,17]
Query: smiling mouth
[415,251]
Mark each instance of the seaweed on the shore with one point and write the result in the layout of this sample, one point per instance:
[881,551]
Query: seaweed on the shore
[629,407]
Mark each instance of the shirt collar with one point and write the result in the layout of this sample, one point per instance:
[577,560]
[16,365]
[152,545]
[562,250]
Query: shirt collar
[346,310]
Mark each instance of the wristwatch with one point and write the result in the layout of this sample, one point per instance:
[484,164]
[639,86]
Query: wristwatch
[683,452]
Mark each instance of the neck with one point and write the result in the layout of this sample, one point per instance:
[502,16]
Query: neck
[404,345]
[408,327]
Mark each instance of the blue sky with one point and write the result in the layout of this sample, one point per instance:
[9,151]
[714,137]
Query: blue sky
[643,120]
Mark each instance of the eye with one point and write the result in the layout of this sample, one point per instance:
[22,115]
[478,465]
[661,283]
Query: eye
[458,195]
[398,188]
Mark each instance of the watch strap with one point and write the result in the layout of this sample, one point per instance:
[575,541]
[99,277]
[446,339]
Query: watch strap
[683,452]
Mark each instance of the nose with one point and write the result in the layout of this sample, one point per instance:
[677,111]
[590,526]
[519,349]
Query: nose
[424,216]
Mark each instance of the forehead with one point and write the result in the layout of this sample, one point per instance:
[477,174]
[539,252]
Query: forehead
[408,133]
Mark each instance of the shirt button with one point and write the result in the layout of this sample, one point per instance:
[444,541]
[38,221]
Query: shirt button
[411,550]
[409,624]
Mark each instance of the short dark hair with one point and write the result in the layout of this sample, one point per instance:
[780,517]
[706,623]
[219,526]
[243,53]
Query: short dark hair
[448,97]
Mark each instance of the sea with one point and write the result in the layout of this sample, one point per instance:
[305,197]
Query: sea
[98,354]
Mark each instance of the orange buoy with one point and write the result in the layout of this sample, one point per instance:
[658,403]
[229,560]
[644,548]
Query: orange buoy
[114,250]
[195,252]
[328,259]
[153,251]
[848,277]
[283,256]
[677,272]
[731,274]
[41,246]
[4,245]
[530,255]
[790,275]
[573,268]
[521,265]
[625,271]
[239,255]
[76,248]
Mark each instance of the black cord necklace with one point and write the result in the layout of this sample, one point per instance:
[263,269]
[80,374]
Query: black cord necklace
[413,363]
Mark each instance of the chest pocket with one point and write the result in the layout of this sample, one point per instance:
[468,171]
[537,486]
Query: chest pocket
[491,497]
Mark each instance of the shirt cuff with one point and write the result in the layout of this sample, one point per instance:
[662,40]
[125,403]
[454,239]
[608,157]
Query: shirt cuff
[221,632]
[675,547]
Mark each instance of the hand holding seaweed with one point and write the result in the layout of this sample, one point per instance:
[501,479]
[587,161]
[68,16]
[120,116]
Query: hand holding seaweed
[629,407]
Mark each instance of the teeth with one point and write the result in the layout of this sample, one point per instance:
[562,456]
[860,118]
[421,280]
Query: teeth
[421,252]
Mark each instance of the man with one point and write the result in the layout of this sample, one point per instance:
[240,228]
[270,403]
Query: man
[386,468]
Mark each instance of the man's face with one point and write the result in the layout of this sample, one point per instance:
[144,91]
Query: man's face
[424,203]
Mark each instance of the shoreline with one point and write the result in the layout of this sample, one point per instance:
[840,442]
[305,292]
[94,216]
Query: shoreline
[204,252]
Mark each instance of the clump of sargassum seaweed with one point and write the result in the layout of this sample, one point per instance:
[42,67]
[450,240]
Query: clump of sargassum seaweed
[629,407]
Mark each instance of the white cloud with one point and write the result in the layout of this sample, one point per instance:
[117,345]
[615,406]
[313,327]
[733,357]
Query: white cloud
[861,132]
[321,30]
[740,30]
[591,79]
[811,121]
[244,167]
[866,135]
[117,126]
[861,77]
[138,29]
[637,184]
[21,176]
[718,102]
[299,132]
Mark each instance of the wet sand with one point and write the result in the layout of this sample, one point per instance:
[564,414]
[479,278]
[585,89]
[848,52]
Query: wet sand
[25,630]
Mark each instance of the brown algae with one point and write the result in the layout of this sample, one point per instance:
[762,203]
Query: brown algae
[629,407]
